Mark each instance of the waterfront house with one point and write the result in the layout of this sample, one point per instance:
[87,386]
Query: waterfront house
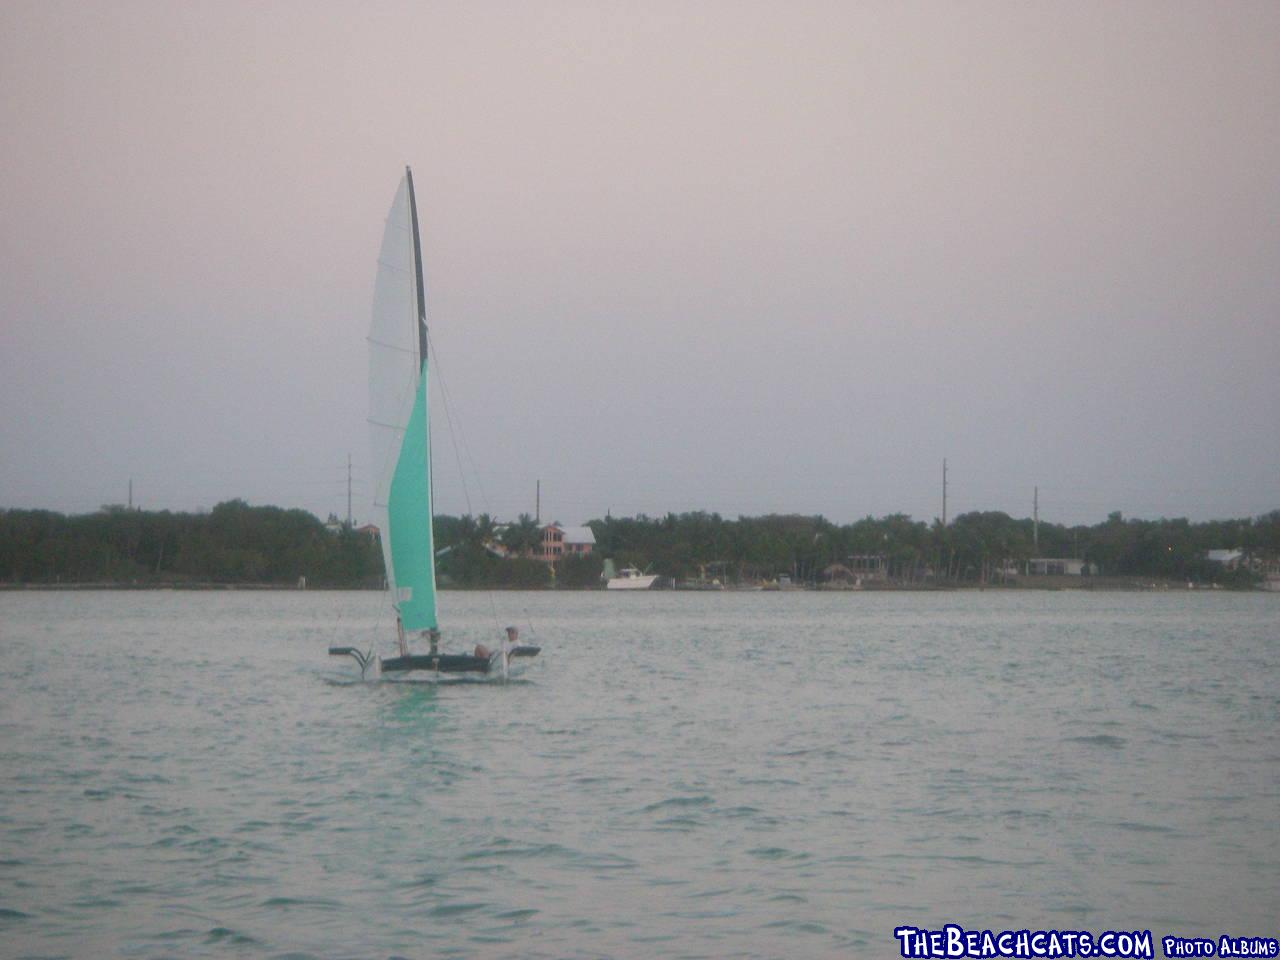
[1055,566]
[868,567]
[558,541]
[1228,559]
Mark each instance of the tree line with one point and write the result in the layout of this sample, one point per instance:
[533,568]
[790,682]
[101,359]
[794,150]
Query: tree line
[232,543]
[977,547]
[235,543]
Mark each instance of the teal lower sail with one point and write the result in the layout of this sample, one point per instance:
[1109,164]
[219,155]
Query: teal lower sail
[409,521]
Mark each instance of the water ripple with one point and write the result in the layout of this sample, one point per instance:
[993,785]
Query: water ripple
[673,778]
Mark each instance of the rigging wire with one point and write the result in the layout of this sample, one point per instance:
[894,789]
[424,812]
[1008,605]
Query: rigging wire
[460,435]
[454,433]
[448,415]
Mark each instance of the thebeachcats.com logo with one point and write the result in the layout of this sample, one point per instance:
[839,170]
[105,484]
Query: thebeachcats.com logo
[954,941]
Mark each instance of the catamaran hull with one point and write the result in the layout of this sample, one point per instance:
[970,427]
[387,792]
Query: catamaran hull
[373,667]
[440,663]
[452,662]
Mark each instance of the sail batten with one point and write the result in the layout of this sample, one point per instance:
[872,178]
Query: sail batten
[399,419]
[389,346]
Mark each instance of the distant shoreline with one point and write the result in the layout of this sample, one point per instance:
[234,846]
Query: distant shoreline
[201,586]
[236,546]
[1042,584]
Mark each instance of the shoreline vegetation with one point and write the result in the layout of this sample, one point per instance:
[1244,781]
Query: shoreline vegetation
[238,546]
[1095,584]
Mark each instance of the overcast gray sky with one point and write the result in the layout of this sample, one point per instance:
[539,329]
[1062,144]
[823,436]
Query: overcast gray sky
[742,257]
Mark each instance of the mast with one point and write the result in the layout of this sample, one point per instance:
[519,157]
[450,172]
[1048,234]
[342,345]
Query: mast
[417,272]
[419,287]
[421,342]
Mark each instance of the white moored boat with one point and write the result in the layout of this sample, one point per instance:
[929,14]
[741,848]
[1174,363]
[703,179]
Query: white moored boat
[629,578]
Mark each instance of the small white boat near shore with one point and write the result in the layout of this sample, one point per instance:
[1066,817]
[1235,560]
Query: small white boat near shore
[629,578]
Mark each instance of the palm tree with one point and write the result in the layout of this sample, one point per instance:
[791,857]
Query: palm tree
[523,536]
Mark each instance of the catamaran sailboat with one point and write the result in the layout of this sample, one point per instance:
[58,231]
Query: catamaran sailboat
[400,448]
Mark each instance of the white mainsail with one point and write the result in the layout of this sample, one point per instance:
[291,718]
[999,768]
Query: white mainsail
[399,424]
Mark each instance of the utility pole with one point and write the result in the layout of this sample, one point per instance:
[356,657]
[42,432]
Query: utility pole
[944,491]
[131,493]
[1035,526]
[348,491]
[537,506]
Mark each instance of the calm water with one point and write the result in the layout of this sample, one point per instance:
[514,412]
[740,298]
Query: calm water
[679,775]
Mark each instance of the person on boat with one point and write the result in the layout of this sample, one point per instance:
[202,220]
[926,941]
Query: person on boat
[513,640]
